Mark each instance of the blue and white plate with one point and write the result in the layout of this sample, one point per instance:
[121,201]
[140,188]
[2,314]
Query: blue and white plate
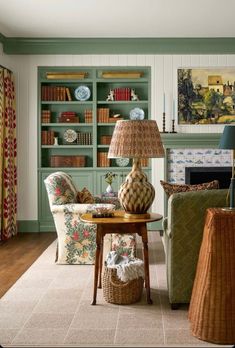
[82,93]
[137,114]
[122,162]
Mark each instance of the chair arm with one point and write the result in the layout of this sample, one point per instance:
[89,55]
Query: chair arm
[78,208]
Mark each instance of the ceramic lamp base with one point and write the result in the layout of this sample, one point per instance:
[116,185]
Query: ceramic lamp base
[136,194]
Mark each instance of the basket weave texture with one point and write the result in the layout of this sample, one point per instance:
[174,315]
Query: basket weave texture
[212,306]
[119,292]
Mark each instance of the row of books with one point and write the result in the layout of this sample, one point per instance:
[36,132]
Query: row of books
[55,93]
[103,115]
[88,116]
[123,93]
[47,137]
[46,116]
[102,159]
[84,138]
[105,139]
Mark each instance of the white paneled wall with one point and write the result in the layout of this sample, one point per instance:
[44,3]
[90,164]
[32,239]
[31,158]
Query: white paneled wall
[164,80]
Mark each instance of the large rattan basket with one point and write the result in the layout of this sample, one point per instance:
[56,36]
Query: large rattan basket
[118,292]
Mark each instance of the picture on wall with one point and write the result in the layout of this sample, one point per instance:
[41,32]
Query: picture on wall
[206,96]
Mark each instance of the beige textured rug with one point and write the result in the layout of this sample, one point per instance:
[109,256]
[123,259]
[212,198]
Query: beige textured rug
[49,306]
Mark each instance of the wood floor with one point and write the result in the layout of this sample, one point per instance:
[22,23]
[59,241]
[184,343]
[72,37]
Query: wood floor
[18,253]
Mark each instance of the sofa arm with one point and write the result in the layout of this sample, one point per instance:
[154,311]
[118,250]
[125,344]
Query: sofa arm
[78,208]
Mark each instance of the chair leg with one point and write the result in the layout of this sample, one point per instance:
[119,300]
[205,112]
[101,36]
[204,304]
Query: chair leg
[175,306]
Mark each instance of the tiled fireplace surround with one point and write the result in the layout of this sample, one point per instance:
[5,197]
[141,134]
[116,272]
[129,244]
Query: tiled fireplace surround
[191,150]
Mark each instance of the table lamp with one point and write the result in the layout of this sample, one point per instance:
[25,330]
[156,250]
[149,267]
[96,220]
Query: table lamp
[136,139]
[227,141]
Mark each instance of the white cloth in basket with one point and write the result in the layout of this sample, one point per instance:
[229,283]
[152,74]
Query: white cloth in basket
[127,268]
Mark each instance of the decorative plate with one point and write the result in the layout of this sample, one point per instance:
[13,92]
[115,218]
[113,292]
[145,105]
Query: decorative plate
[82,93]
[70,135]
[122,162]
[137,114]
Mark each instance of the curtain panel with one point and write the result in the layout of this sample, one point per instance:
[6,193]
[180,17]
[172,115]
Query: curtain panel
[8,152]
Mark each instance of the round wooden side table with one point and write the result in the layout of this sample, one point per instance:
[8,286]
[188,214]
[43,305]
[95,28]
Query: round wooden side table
[119,224]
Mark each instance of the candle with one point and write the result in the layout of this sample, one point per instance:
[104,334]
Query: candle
[173,113]
[164,103]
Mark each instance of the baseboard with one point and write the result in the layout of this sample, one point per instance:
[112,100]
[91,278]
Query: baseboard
[28,225]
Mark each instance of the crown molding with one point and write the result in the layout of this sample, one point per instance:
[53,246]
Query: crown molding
[18,45]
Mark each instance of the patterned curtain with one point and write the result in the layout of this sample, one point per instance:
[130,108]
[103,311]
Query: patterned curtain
[8,177]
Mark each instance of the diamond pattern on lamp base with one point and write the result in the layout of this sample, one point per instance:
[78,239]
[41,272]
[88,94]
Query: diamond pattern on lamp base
[136,194]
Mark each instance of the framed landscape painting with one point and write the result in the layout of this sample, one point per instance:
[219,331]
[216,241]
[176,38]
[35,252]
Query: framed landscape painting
[206,96]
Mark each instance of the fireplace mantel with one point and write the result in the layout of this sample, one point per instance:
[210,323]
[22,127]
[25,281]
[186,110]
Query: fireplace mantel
[188,140]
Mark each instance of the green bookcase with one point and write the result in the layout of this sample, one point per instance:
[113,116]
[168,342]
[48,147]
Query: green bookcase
[85,158]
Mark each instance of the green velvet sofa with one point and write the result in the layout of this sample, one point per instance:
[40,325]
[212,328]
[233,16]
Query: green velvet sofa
[182,236]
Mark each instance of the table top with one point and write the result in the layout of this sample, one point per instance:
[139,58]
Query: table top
[118,218]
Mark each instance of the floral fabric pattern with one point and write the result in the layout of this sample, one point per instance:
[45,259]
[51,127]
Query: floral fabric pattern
[60,189]
[76,239]
[124,244]
[8,153]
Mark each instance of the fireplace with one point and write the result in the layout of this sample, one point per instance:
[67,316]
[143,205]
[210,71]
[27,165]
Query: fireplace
[198,175]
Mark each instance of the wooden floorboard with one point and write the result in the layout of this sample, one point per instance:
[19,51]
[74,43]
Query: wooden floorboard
[19,253]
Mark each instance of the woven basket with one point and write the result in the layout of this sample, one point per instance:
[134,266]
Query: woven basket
[118,292]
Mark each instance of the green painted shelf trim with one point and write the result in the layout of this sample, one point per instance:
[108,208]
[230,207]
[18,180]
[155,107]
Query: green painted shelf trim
[20,45]
[28,226]
[196,140]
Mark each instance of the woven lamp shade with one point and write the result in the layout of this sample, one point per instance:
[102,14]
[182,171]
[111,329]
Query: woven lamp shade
[136,139]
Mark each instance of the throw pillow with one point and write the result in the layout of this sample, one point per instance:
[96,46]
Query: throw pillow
[176,188]
[85,196]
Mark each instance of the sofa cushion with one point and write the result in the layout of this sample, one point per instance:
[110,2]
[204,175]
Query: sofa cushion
[85,196]
[176,188]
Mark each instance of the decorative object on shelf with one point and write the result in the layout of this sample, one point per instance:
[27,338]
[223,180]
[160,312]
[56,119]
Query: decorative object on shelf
[137,114]
[122,162]
[164,123]
[227,141]
[56,141]
[134,96]
[67,161]
[164,115]
[68,117]
[68,75]
[70,135]
[110,96]
[122,74]
[173,126]
[82,93]
[136,139]
[109,177]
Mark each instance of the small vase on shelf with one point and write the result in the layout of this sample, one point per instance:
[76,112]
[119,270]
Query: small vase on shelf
[109,188]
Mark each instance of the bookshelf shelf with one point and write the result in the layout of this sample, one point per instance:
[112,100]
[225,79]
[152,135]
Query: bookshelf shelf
[59,112]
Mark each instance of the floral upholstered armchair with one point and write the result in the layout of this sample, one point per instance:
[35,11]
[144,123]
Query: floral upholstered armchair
[76,239]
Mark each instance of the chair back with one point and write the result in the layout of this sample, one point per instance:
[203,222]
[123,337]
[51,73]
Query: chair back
[60,189]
